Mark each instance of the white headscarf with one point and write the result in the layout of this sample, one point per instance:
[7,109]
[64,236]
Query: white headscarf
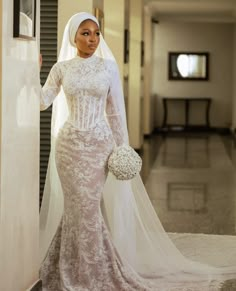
[134,225]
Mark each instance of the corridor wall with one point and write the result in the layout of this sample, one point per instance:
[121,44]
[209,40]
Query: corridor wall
[215,38]
[19,152]
[135,94]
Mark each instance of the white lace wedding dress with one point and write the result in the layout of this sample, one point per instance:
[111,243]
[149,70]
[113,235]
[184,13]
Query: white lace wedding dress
[82,255]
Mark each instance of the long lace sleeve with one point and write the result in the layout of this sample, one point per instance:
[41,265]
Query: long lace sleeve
[51,88]
[115,109]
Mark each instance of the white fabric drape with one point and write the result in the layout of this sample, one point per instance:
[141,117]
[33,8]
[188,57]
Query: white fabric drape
[134,225]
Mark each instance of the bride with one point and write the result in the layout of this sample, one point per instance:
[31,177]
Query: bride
[97,232]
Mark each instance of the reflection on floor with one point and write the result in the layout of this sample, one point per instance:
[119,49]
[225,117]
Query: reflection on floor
[190,179]
[191,183]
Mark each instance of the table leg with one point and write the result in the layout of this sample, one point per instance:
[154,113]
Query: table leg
[165,113]
[208,112]
[186,113]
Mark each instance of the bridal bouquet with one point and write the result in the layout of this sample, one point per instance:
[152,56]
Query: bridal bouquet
[124,163]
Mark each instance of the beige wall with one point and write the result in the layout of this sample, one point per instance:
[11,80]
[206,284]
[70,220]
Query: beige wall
[114,30]
[147,119]
[134,83]
[215,38]
[19,190]
[234,82]
[98,4]
[234,103]
[66,8]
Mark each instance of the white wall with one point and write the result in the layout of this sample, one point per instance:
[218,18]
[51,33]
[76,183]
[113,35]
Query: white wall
[215,38]
[19,189]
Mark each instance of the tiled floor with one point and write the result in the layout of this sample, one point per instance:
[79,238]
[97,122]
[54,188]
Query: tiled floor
[190,179]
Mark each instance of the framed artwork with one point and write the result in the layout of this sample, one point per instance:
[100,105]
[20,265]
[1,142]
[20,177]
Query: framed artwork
[24,19]
[188,66]
[98,13]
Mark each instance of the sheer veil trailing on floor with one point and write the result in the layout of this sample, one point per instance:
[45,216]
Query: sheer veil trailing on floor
[133,223]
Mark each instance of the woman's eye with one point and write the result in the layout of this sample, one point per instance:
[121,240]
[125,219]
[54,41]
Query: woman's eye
[85,33]
[98,33]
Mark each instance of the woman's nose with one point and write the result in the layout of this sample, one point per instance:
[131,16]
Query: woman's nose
[92,38]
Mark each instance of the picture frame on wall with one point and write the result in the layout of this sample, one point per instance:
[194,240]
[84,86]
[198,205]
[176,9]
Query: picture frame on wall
[24,19]
[98,13]
[188,66]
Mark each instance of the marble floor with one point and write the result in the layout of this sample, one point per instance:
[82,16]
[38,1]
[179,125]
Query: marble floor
[190,179]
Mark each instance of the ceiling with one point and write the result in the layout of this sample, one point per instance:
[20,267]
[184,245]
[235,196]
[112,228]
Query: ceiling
[193,10]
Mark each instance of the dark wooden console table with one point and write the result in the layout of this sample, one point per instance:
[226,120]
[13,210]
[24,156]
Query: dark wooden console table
[186,101]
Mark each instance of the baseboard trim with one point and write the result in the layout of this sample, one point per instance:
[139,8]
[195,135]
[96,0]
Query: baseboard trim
[149,135]
[192,129]
[233,133]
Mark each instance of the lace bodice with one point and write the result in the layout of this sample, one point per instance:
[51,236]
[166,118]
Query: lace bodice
[88,85]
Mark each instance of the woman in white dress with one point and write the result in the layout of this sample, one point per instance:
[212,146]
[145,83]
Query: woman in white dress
[101,234]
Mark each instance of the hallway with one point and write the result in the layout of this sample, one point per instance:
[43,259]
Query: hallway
[190,179]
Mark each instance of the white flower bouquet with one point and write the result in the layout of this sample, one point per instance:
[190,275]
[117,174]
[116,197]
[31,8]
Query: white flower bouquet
[124,163]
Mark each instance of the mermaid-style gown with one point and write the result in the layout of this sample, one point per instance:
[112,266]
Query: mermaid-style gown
[82,255]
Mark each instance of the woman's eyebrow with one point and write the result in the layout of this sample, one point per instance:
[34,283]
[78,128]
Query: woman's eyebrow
[90,29]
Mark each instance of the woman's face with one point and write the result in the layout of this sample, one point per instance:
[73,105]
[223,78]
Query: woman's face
[87,38]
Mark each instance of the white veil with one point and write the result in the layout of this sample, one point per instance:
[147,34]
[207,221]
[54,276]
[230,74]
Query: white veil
[134,225]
